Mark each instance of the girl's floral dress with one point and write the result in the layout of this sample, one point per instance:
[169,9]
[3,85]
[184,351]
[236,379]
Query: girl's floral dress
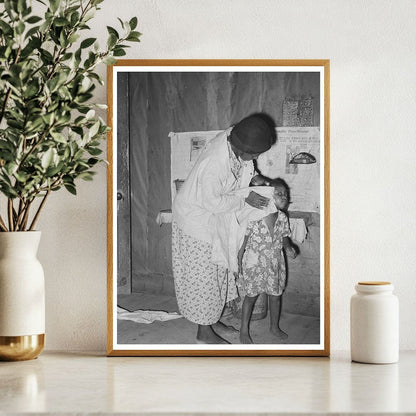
[264,268]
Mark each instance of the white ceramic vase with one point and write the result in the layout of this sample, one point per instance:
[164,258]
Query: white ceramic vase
[22,296]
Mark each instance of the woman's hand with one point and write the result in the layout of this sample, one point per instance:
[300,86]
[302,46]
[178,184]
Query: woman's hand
[257,201]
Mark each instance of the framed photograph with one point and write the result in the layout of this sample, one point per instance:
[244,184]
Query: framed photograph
[218,208]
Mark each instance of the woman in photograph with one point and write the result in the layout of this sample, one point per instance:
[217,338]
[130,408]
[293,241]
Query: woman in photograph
[226,164]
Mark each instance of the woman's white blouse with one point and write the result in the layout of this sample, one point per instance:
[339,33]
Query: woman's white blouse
[207,190]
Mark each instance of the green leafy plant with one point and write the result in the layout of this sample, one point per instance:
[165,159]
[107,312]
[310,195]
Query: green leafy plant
[50,134]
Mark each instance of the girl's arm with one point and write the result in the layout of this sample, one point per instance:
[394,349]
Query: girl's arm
[287,242]
[289,245]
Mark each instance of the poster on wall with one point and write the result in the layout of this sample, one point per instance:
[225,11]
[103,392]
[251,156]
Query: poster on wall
[218,208]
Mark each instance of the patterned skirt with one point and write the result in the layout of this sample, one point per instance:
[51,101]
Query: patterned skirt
[202,288]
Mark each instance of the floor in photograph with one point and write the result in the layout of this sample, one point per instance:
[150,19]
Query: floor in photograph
[300,328]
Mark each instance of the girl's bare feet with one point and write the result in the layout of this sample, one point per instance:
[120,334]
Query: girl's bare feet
[206,335]
[224,329]
[275,306]
[246,311]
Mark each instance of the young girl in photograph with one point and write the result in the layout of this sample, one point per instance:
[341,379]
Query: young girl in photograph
[261,262]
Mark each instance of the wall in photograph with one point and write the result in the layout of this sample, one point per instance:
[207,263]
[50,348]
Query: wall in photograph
[161,103]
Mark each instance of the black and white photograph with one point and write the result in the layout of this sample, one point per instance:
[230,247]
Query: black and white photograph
[218,208]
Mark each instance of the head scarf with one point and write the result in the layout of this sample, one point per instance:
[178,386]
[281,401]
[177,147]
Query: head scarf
[252,135]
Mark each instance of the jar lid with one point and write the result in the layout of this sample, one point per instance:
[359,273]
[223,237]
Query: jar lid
[372,287]
[374,283]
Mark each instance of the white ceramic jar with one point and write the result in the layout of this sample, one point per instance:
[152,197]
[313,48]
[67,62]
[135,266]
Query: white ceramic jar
[374,323]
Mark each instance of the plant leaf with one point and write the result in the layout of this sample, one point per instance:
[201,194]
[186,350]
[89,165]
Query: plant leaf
[58,137]
[87,42]
[70,188]
[54,4]
[94,151]
[133,23]
[112,31]
[86,176]
[110,60]
[119,51]
[33,19]
[94,129]
[20,28]
[21,177]
[47,158]
[7,29]
[61,21]
[112,41]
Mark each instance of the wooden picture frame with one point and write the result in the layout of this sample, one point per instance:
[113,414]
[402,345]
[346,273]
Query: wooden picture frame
[147,100]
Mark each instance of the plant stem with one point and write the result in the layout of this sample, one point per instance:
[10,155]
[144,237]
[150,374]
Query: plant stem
[26,216]
[10,213]
[39,209]
[2,225]
[20,213]
[3,108]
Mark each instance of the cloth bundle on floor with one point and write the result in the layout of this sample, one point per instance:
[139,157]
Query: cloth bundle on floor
[145,316]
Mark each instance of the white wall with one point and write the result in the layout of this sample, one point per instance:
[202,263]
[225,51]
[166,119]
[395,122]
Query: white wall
[371,45]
